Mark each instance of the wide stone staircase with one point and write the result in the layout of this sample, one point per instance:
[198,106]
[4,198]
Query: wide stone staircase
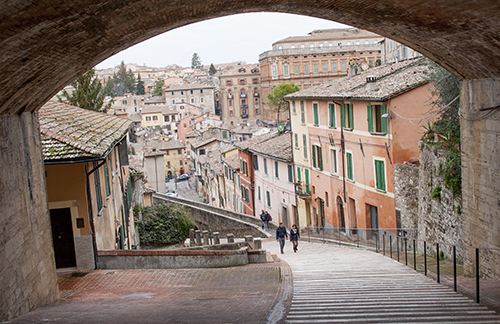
[334,284]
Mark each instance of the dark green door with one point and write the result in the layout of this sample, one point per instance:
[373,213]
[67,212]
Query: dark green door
[62,237]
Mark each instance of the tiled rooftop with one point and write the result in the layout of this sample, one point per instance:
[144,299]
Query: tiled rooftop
[249,142]
[329,34]
[391,80]
[279,147]
[69,132]
[233,161]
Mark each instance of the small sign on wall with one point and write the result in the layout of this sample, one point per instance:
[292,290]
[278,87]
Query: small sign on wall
[80,223]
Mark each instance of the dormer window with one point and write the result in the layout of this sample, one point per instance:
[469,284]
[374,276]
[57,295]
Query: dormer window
[242,70]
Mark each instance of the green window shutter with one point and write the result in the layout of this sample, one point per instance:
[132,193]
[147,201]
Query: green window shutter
[299,176]
[259,192]
[314,156]
[290,173]
[380,174]
[342,114]
[320,158]
[296,140]
[383,121]
[316,117]
[369,113]
[349,166]
[351,117]
[307,180]
[224,134]
[304,141]
[332,115]
[106,179]
[268,196]
[276,169]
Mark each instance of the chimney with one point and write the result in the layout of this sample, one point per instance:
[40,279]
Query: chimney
[371,82]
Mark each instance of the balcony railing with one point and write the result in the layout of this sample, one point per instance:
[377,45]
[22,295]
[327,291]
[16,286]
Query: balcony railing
[302,190]
[325,49]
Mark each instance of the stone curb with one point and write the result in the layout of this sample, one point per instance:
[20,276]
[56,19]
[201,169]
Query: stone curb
[283,299]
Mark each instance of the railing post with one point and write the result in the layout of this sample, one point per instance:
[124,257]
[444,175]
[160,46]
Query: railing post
[425,258]
[414,256]
[437,263]
[477,275]
[383,243]
[390,244]
[406,251]
[397,246]
[454,268]
[323,235]
[357,237]
[339,235]
[308,234]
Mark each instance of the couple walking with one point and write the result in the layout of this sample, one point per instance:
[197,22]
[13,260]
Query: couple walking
[265,218]
[281,234]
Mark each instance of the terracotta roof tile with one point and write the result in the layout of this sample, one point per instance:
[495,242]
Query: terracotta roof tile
[279,147]
[70,132]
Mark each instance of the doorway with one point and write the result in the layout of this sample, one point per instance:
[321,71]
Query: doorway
[373,221]
[340,204]
[284,215]
[62,237]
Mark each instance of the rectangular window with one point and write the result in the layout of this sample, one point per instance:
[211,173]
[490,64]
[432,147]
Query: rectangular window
[296,140]
[380,174]
[334,168]
[377,124]
[302,113]
[274,71]
[346,116]
[224,134]
[290,173]
[268,196]
[97,187]
[286,72]
[306,68]
[325,67]
[348,157]
[265,165]
[331,115]
[106,179]
[316,114]
[304,145]
[276,171]
[294,110]
[255,162]
[334,67]
[245,168]
[299,175]
[155,117]
[317,157]
[258,192]
[343,66]
[306,175]
[173,118]
[166,118]
[296,69]
[148,118]
[315,68]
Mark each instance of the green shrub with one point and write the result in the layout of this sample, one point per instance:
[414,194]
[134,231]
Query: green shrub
[436,192]
[164,224]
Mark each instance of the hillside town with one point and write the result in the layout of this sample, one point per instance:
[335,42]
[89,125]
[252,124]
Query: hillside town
[305,172]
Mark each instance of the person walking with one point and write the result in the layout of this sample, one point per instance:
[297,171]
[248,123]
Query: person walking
[281,234]
[268,218]
[263,218]
[294,237]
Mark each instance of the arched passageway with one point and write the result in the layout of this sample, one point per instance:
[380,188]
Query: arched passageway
[44,45]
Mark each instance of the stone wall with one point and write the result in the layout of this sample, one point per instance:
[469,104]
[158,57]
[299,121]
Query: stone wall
[406,179]
[27,268]
[218,219]
[439,218]
[481,173]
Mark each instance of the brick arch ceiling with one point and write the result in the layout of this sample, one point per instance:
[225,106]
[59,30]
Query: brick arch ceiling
[46,44]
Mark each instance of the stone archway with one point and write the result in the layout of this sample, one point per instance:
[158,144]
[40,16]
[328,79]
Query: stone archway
[45,45]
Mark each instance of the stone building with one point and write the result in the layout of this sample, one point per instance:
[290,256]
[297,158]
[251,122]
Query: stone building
[321,56]
[240,95]
[352,187]
[393,52]
[88,183]
[197,93]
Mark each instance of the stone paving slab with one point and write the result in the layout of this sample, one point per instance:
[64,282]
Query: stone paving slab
[244,294]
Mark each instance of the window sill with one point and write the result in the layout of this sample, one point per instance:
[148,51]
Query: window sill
[378,134]
[380,190]
[332,127]
[348,129]
[349,180]
[316,125]
[336,175]
[297,148]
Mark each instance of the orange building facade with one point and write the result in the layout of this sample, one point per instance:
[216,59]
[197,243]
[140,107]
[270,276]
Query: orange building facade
[353,131]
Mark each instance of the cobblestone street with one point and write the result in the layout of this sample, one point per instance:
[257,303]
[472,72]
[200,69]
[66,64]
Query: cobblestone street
[230,295]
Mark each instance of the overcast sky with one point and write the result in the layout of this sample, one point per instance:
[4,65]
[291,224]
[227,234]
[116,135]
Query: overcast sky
[234,38]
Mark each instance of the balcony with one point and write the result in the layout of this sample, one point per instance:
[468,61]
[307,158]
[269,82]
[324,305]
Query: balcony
[229,96]
[244,116]
[255,94]
[243,95]
[302,190]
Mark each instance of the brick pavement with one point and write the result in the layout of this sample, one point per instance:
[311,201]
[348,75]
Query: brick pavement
[244,294]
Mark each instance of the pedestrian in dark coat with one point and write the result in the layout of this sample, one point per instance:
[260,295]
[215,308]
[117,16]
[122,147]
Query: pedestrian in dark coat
[268,218]
[281,234]
[294,237]
[263,218]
